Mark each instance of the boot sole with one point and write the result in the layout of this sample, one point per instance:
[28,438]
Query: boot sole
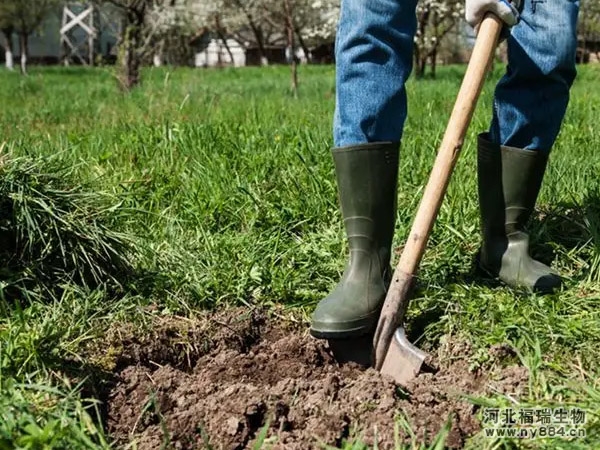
[364,326]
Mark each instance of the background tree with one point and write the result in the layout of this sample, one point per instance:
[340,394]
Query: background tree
[320,24]
[435,20]
[260,24]
[148,25]
[589,26]
[300,23]
[312,22]
[130,44]
[170,26]
[24,17]
[245,21]
[205,18]
[6,30]
[282,17]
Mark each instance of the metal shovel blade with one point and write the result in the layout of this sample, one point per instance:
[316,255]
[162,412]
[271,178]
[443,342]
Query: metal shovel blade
[403,360]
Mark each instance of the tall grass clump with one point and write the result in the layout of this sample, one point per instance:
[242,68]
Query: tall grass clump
[56,231]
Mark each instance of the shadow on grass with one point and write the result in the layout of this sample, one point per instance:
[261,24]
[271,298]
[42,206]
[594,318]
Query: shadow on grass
[570,225]
[571,228]
[565,227]
[419,323]
[95,383]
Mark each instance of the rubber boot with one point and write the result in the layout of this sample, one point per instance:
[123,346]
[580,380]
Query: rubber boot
[509,180]
[367,177]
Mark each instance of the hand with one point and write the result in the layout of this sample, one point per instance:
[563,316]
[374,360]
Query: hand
[506,10]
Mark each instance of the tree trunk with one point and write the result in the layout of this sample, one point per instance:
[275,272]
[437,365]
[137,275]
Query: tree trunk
[8,47]
[223,38]
[433,51]
[157,58]
[291,45]
[433,61]
[583,47]
[259,40]
[420,50]
[303,45]
[24,45]
[261,44]
[9,59]
[422,66]
[130,59]
[416,57]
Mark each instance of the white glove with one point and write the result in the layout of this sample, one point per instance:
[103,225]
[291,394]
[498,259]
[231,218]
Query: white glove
[506,10]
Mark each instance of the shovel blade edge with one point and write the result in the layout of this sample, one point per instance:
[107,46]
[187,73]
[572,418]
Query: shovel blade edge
[403,360]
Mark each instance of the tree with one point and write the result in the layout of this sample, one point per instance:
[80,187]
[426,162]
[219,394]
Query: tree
[588,26]
[147,24]
[435,19]
[288,18]
[264,23]
[320,22]
[307,22]
[169,29]
[130,44]
[24,17]
[208,17]
[282,17]
[245,21]
[6,29]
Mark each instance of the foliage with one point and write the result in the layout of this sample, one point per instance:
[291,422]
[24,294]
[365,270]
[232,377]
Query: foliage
[62,422]
[54,232]
[259,24]
[435,20]
[589,25]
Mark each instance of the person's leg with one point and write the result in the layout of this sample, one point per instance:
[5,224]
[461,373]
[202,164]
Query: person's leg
[529,107]
[373,60]
[374,43]
[531,99]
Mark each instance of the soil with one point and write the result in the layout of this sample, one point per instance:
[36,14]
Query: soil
[232,379]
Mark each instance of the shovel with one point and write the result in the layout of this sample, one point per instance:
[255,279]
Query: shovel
[393,354]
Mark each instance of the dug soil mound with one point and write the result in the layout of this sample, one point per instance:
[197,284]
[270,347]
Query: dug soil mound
[237,378]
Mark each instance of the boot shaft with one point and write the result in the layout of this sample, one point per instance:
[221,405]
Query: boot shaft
[367,177]
[509,181]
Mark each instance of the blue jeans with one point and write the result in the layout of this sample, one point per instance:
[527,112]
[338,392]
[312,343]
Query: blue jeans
[374,51]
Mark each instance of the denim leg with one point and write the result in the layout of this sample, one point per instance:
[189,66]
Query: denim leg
[374,45]
[531,99]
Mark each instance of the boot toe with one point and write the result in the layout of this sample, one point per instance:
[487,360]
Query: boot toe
[548,284]
[329,327]
[331,320]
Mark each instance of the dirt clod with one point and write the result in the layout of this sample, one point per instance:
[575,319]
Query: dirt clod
[262,375]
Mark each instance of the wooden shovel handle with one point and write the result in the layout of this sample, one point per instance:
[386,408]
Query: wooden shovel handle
[396,300]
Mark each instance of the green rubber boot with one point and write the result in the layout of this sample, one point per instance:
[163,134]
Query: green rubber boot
[509,180]
[367,177]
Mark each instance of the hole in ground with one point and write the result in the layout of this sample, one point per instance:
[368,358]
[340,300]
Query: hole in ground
[287,381]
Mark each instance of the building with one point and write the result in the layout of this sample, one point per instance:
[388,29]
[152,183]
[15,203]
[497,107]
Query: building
[45,44]
[216,54]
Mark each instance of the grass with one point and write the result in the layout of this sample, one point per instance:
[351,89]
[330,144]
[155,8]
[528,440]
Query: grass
[223,185]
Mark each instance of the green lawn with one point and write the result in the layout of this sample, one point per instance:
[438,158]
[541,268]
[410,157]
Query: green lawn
[226,183]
